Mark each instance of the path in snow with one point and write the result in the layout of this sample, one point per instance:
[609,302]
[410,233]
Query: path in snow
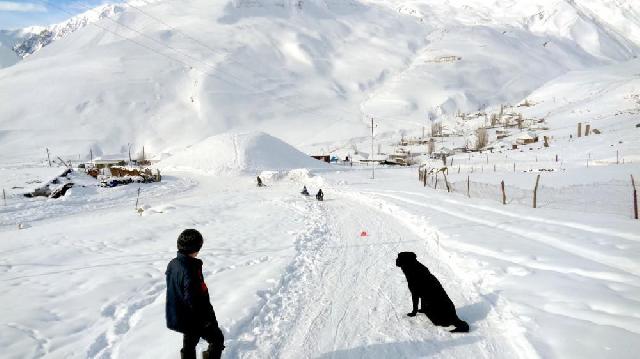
[557,273]
[343,297]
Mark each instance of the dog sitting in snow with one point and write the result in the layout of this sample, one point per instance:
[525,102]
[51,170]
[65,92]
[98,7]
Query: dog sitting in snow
[424,287]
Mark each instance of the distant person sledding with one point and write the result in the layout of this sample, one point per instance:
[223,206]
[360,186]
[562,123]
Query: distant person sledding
[320,195]
[304,191]
[260,184]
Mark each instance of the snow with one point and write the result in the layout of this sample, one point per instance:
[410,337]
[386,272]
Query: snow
[307,75]
[233,153]
[220,92]
[291,277]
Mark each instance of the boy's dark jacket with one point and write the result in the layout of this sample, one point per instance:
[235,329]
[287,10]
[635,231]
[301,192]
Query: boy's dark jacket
[188,308]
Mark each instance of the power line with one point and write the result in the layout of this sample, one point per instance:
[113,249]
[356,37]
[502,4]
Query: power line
[209,67]
[174,29]
[190,66]
[134,30]
[122,36]
[213,51]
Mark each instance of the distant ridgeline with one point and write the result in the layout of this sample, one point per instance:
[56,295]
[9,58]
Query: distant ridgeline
[27,41]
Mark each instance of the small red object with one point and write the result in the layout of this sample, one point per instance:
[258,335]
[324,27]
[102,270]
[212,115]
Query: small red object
[363,234]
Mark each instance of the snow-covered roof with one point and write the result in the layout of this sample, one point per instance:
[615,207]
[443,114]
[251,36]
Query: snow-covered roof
[110,158]
[446,150]
[526,135]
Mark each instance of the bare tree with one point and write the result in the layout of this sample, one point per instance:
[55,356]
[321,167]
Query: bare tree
[436,129]
[520,121]
[431,146]
[482,138]
[494,119]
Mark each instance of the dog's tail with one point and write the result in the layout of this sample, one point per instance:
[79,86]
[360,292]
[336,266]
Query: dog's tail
[461,327]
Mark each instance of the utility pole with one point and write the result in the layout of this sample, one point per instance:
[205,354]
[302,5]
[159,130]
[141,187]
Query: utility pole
[373,163]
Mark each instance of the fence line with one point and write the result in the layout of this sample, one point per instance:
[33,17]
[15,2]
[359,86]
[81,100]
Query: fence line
[611,197]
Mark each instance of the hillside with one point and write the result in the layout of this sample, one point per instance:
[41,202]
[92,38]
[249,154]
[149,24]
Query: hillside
[518,122]
[236,153]
[171,73]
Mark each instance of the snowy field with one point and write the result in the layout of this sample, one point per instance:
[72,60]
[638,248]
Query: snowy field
[192,84]
[301,282]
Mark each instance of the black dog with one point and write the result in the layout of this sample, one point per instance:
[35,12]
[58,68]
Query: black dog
[426,288]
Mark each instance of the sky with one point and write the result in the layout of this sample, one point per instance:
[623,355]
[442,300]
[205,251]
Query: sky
[15,14]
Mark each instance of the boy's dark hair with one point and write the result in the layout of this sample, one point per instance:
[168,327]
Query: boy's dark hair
[189,241]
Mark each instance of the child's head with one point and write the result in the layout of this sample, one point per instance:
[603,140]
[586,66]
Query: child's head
[189,241]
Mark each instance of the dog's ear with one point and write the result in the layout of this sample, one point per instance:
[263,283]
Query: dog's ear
[405,258]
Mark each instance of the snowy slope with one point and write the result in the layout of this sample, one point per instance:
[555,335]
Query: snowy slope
[37,37]
[234,153]
[16,45]
[293,278]
[306,73]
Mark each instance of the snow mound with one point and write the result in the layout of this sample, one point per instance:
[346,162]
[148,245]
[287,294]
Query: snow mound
[235,153]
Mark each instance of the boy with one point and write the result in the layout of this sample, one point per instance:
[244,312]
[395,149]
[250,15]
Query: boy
[188,309]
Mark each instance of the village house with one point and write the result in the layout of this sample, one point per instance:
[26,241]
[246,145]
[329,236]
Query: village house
[108,161]
[526,137]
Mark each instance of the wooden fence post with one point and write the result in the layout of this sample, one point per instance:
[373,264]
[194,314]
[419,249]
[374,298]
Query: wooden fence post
[138,198]
[504,196]
[579,129]
[468,187]
[435,186]
[535,192]
[446,182]
[424,178]
[514,167]
[635,198]
[48,158]
[4,197]
[587,129]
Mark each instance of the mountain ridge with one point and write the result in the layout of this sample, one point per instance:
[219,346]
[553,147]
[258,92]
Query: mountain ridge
[306,73]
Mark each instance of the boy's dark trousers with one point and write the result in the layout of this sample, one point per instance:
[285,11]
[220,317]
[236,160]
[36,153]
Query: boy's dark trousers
[211,334]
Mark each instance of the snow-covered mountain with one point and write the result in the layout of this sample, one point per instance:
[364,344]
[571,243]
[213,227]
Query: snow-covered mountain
[171,73]
[18,44]
[37,37]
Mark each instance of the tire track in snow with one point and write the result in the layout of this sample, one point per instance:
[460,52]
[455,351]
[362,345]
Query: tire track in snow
[343,297]
[519,216]
[266,333]
[503,335]
[623,264]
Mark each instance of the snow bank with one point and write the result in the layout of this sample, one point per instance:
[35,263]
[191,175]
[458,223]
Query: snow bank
[235,153]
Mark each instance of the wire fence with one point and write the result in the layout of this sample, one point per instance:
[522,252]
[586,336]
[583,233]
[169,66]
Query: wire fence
[615,197]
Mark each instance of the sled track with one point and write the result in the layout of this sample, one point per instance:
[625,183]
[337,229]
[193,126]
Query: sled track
[264,335]
[343,297]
